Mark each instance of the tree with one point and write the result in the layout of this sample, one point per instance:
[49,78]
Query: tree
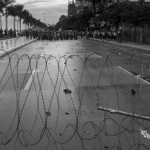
[77,22]
[29,20]
[62,17]
[94,3]
[116,13]
[1,6]
[135,15]
[51,27]
[140,17]
[19,9]
[12,10]
[6,4]
[1,11]
[26,15]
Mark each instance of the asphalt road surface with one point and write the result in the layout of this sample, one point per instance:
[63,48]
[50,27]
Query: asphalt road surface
[75,95]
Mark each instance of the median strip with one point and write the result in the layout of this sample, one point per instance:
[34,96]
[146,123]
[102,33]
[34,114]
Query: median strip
[137,76]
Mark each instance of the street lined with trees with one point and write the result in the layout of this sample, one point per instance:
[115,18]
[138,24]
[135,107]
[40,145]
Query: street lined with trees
[10,8]
[77,22]
[63,93]
[127,15]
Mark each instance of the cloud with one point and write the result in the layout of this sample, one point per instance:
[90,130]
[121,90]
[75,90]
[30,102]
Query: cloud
[53,9]
[52,2]
[52,14]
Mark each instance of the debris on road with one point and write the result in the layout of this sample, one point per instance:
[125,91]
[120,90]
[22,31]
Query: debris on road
[67,113]
[106,147]
[48,113]
[67,91]
[133,92]
[70,56]
[87,132]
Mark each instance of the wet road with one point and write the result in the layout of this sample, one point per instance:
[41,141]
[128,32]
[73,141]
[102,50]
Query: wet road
[50,93]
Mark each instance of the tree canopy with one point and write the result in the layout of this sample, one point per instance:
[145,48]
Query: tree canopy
[125,12]
[1,5]
[77,22]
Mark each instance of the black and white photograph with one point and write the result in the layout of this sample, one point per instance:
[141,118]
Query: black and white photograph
[74,74]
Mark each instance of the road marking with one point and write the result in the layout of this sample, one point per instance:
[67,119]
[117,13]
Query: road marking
[137,76]
[98,55]
[29,82]
[42,55]
[93,53]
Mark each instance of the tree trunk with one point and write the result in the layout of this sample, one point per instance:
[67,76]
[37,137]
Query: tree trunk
[0,21]
[6,19]
[20,23]
[137,35]
[14,34]
[132,31]
[14,23]
[94,8]
[141,35]
[30,25]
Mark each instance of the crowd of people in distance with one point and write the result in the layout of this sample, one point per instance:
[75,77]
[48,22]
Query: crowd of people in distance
[105,34]
[64,35]
[51,35]
[7,33]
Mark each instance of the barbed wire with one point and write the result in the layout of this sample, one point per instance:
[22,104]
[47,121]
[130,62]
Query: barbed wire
[86,102]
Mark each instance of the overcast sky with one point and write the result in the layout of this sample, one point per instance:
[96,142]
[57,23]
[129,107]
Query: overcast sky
[53,9]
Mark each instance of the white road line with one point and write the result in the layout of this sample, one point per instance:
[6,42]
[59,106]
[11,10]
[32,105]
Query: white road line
[30,79]
[42,55]
[93,53]
[138,77]
[98,55]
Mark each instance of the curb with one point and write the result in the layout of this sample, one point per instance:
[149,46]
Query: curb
[123,44]
[15,48]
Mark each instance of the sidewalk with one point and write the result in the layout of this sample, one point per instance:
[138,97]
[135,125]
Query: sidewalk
[10,45]
[124,43]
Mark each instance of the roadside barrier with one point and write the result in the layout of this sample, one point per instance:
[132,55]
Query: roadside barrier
[82,101]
